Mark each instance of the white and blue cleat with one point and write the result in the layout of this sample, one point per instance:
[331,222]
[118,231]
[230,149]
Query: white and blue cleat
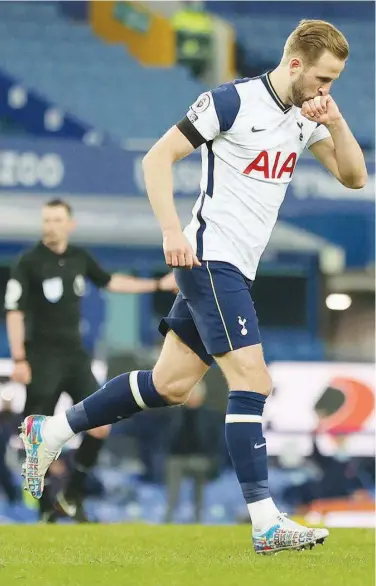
[285,534]
[38,456]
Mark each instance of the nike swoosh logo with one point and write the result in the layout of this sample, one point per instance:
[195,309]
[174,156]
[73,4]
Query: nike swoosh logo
[257,129]
[257,446]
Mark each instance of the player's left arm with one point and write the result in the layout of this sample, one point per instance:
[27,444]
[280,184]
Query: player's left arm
[339,152]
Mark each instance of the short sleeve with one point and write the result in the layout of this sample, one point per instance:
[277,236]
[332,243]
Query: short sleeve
[215,111]
[319,133]
[18,287]
[95,273]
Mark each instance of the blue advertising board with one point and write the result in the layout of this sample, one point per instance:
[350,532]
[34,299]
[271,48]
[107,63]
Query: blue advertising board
[110,176]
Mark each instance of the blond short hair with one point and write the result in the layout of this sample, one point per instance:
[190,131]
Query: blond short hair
[312,37]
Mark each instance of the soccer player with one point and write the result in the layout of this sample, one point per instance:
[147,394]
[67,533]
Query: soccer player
[252,132]
[43,300]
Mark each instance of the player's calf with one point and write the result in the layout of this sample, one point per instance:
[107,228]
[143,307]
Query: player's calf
[250,384]
[119,398]
[176,373]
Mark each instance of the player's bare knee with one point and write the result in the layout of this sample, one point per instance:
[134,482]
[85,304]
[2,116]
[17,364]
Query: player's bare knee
[264,383]
[100,432]
[245,370]
[177,371]
[175,392]
[254,378]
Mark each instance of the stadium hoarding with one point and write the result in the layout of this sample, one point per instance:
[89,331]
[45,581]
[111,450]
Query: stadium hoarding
[65,166]
[331,400]
[105,184]
[335,401]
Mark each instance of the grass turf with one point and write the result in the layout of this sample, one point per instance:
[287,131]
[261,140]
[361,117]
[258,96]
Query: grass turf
[117,555]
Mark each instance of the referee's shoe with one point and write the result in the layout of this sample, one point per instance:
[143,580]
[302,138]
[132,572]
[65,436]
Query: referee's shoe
[72,508]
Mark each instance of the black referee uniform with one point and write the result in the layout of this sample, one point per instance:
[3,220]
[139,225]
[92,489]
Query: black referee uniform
[47,288]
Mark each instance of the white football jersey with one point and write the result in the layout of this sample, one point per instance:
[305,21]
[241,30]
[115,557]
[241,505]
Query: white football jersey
[253,142]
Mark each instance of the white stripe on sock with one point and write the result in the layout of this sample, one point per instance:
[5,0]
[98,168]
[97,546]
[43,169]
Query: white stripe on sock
[133,382]
[243,419]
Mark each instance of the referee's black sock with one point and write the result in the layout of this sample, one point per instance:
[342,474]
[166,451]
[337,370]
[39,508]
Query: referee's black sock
[85,458]
[45,502]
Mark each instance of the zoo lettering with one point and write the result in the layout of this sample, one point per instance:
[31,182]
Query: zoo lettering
[262,164]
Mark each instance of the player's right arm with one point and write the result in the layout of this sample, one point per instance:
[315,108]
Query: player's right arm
[15,303]
[201,124]
[157,165]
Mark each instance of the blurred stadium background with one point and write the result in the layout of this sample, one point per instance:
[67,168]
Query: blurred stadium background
[85,89]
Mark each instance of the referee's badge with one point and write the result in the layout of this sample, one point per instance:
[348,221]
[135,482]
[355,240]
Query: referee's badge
[53,289]
[79,286]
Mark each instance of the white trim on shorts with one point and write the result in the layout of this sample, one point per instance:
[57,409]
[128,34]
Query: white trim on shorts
[219,307]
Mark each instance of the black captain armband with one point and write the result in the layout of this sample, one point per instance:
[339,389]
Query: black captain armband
[190,132]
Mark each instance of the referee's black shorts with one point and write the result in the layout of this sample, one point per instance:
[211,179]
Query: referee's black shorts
[56,371]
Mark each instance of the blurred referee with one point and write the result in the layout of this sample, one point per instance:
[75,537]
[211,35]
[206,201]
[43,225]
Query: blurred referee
[43,302]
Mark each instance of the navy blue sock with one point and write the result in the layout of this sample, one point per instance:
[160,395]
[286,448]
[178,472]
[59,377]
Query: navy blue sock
[246,444]
[119,398]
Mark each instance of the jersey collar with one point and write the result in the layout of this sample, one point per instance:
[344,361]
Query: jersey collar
[45,248]
[273,94]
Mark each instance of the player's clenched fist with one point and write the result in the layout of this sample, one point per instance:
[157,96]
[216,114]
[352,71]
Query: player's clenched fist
[177,250]
[321,109]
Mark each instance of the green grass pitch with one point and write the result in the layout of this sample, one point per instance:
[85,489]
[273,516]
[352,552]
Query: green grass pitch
[127,555]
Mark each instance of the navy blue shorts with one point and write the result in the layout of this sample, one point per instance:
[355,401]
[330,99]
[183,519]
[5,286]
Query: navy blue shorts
[213,312]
